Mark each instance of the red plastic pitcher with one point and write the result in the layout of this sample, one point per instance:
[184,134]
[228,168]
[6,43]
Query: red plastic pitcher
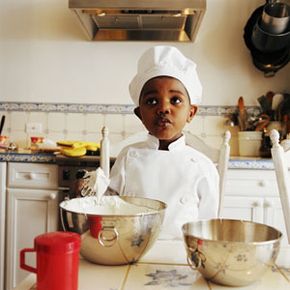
[57,261]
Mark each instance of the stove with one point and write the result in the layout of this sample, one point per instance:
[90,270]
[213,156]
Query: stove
[68,167]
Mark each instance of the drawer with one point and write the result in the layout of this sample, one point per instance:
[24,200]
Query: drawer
[251,182]
[32,175]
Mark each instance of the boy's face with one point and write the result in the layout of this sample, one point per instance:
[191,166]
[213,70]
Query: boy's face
[164,108]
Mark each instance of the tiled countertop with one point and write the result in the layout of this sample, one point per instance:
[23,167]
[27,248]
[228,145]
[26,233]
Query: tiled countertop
[163,267]
[234,163]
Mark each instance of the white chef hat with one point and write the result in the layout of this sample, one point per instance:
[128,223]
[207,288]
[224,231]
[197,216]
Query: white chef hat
[166,61]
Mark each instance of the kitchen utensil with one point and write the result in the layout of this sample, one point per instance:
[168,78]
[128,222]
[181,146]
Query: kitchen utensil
[231,252]
[2,124]
[268,42]
[249,143]
[115,239]
[242,114]
[57,260]
[263,122]
[267,62]
[275,17]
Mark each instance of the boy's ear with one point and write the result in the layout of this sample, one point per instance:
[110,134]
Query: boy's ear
[192,112]
[137,113]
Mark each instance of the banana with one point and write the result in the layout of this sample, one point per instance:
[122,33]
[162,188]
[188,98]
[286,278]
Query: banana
[73,152]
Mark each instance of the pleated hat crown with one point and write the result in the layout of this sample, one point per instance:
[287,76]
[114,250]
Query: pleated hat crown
[166,61]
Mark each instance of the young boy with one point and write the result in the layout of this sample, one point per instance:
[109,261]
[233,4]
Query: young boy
[166,91]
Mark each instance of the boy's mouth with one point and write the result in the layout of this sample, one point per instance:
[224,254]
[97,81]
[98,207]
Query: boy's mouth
[162,122]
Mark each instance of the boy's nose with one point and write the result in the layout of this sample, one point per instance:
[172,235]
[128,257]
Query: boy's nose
[164,107]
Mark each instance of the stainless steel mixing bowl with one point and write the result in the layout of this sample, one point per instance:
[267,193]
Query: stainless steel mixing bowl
[116,239]
[231,252]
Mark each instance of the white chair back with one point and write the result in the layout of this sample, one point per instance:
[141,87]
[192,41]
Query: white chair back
[219,156]
[281,161]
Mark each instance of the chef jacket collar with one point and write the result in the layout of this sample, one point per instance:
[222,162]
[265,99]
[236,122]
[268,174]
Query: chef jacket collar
[178,144]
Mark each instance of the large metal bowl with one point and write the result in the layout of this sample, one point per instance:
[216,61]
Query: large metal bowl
[231,252]
[116,239]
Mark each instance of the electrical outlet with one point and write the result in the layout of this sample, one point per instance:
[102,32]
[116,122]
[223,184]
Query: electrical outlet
[34,128]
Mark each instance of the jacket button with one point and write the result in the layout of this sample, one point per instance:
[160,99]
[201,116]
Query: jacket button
[183,200]
[133,154]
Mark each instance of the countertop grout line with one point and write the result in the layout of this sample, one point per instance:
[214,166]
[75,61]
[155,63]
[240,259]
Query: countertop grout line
[125,278]
[163,263]
[281,272]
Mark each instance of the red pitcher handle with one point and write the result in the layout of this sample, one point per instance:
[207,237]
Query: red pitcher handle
[22,260]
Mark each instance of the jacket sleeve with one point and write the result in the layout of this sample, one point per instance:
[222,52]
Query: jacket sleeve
[208,193]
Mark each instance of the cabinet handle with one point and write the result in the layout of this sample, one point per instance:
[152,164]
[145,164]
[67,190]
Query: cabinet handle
[256,204]
[267,204]
[52,196]
[262,183]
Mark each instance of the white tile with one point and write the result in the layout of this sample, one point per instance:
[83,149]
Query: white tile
[164,251]
[94,122]
[18,121]
[93,276]
[115,123]
[133,124]
[272,279]
[196,126]
[75,122]
[93,137]
[38,117]
[214,125]
[161,277]
[55,136]
[76,136]
[56,122]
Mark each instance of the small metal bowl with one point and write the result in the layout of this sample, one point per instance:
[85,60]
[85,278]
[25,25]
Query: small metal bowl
[116,239]
[231,252]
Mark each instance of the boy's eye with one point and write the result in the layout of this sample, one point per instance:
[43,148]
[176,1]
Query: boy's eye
[151,101]
[176,100]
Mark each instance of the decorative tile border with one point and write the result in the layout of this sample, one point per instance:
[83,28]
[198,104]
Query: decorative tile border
[109,108]
[263,164]
[51,158]
[31,158]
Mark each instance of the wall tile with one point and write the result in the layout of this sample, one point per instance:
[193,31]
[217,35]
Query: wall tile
[18,121]
[133,124]
[214,125]
[115,123]
[75,122]
[94,122]
[38,117]
[54,136]
[196,126]
[56,122]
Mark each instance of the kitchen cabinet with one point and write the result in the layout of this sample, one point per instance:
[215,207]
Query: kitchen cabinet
[32,209]
[252,194]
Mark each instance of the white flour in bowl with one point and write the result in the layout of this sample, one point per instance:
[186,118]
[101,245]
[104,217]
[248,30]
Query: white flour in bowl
[107,205]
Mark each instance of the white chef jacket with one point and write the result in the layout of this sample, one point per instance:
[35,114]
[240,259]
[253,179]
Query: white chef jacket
[182,177]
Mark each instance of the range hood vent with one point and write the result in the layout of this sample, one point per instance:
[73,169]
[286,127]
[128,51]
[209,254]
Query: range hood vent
[153,20]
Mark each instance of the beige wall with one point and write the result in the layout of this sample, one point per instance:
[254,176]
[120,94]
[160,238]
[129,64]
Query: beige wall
[45,57]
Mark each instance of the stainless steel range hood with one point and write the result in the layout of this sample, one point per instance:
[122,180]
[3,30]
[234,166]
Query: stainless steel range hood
[155,20]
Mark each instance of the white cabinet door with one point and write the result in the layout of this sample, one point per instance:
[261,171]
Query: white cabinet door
[245,208]
[2,220]
[30,212]
[273,216]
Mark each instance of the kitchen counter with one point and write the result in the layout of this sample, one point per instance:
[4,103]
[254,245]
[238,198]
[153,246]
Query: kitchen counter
[163,267]
[235,162]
